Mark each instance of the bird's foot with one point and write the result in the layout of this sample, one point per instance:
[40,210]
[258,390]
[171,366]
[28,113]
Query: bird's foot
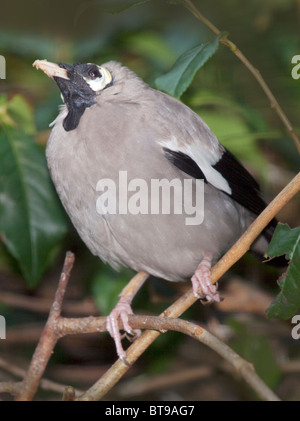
[121,311]
[202,280]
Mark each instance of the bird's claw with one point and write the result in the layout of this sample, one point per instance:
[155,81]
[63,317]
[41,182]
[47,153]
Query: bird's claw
[121,311]
[202,280]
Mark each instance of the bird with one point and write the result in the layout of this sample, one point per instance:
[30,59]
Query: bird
[115,137]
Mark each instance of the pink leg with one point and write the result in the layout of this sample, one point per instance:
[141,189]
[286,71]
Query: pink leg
[202,280]
[122,310]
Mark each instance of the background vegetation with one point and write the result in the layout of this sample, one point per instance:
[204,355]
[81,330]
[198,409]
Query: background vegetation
[36,233]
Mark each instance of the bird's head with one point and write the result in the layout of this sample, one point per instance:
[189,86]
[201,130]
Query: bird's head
[79,85]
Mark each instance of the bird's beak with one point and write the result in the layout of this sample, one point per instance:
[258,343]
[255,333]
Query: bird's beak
[51,69]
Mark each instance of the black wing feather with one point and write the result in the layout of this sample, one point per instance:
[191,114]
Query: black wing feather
[245,189]
[185,163]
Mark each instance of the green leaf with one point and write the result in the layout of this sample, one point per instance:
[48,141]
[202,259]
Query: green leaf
[108,6]
[32,221]
[180,77]
[286,241]
[21,113]
[256,349]
[28,45]
[107,285]
[152,46]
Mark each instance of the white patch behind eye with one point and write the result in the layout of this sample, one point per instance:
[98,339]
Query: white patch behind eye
[101,82]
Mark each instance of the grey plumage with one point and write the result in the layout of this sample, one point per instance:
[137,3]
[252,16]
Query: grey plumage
[125,130]
[113,122]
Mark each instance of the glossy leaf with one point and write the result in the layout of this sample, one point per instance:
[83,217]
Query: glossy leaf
[108,6]
[180,77]
[256,349]
[32,221]
[286,241]
[21,114]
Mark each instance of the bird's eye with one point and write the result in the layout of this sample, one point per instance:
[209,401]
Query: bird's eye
[94,73]
[97,77]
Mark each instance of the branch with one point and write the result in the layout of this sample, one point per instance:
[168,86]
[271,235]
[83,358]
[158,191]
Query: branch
[152,383]
[243,367]
[41,305]
[14,388]
[113,375]
[58,326]
[255,72]
[163,324]
[48,338]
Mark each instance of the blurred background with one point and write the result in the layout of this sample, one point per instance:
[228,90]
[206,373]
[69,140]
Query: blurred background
[148,37]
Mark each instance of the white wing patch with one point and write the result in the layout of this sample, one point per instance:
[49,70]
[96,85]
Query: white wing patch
[204,158]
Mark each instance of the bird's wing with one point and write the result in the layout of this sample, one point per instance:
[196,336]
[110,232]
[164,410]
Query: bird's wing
[220,169]
[194,149]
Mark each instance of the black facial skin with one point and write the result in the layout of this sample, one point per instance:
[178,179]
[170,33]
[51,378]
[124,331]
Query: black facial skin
[76,92]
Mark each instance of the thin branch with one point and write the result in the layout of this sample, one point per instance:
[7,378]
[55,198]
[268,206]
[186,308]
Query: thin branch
[243,367]
[291,366]
[91,324]
[48,337]
[41,305]
[255,72]
[140,386]
[57,326]
[113,375]
[15,387]
[163,324]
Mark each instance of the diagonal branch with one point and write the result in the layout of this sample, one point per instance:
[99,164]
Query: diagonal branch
[255,72]
[113,375]
[57,326]
[48,338]
[163,324]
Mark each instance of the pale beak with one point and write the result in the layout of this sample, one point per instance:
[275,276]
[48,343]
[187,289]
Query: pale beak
[51,69]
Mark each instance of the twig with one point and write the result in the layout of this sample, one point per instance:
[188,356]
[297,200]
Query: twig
[163,324]
[246,297]
[57,326]
[91,324]
[48,337]
[136,386]
[41,305]
[243,367]
[291,366]
[15,387]
[112,376]
[255,72]
[69,394]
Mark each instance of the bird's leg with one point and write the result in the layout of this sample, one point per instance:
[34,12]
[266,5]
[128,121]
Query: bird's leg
[122,310]
[202,280]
